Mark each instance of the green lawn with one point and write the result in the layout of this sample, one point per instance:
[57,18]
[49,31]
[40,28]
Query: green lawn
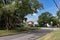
[11,32]
[51,36]
[5,32]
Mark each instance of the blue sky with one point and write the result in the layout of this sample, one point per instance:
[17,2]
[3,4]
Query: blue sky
[49,6]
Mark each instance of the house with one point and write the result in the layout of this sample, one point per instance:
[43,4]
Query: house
[29,23]
[35,24]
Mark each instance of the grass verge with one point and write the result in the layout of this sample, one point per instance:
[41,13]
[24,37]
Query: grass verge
[12,32]
[51,36]
[5,32]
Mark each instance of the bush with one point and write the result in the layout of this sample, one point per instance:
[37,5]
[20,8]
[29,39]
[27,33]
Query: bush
[33,28]
[27,28]
[22,29]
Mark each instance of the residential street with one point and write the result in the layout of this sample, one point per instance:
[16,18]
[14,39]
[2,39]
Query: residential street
[31,35]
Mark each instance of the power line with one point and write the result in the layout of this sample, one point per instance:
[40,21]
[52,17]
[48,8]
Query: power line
[56,4]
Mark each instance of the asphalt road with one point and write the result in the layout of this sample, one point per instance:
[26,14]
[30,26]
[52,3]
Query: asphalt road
[31,35]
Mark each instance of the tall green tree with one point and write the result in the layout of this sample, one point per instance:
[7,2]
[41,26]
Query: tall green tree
[58,14]
[44,18]
[55,20]
[16,10]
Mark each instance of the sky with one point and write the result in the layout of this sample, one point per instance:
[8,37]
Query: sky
[48,5]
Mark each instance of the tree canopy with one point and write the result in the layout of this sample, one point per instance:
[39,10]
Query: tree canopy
[47,17]
[58,14]
[13,12]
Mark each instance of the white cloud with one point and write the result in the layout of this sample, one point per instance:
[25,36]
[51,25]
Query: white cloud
[34,14]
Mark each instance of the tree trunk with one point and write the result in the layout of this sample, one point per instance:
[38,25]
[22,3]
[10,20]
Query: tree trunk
[7,23]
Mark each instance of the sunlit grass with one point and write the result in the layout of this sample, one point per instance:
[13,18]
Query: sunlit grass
[51,36]
[5,32]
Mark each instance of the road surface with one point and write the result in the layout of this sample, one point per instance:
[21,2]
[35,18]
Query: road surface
[31,35]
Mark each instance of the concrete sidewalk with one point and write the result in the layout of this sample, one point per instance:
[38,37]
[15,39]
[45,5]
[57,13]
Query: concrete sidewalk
[50,28]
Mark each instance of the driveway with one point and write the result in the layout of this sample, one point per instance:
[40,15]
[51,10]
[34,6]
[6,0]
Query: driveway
[31,35]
